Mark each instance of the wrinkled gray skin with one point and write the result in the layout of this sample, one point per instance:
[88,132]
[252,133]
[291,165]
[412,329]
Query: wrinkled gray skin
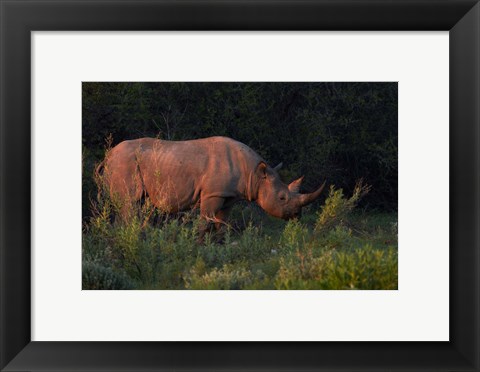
[211,173]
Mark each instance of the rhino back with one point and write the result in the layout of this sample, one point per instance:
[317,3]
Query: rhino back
[177,174]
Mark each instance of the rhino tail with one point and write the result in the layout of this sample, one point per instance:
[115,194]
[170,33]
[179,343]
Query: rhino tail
[98,173]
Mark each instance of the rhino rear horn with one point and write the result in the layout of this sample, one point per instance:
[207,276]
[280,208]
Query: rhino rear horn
[278,167]
[306,199]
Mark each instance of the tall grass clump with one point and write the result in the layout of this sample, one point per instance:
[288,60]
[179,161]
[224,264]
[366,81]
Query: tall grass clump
[337,207]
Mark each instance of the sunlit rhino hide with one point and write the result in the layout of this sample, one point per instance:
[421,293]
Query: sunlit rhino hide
[211,173]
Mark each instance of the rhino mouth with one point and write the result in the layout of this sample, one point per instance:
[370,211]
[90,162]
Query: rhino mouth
[293,216]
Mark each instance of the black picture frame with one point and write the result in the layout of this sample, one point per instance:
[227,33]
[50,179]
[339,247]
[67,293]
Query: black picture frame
[19,17]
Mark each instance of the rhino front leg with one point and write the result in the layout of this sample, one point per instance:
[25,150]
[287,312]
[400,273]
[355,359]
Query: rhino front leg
[209,208]
[221,218]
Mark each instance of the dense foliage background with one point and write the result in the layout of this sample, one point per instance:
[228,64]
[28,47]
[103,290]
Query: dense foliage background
[340,132]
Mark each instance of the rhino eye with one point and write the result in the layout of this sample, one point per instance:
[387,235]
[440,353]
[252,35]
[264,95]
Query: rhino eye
[283,197]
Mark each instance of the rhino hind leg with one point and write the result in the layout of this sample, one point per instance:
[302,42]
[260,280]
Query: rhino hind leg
[126,189]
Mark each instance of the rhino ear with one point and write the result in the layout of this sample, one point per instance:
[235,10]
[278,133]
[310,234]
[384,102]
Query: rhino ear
[262,169]
[295,185]
[278,167]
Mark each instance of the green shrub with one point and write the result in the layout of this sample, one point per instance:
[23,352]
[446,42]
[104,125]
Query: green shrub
[228,277]
[293,236]
[362,268]
[96,276]
[339,237]
[337,207]
[365,268]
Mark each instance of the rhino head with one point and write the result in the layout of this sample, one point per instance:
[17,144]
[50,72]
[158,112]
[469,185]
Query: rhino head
[279,199]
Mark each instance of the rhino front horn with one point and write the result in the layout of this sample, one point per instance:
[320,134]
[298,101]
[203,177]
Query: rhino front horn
[306,199]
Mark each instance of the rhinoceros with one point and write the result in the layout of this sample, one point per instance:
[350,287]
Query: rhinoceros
[210,173]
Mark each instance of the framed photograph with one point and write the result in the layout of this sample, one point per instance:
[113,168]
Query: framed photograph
[239,185]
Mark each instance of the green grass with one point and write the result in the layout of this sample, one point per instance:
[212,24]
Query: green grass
[333,248]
